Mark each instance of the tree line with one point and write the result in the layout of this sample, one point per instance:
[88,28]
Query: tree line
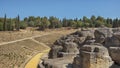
[11,24]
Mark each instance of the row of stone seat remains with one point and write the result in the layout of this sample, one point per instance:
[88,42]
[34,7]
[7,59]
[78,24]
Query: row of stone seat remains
[86,48]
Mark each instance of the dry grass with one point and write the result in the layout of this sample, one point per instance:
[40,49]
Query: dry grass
[29,32]
[51,38]
[15,54]
[14,35]
[48,39]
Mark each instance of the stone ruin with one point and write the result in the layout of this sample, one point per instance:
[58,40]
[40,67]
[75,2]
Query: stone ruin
[93,56]
[93,48]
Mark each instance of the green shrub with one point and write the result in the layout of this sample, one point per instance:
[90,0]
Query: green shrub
[23,25]
[1,26]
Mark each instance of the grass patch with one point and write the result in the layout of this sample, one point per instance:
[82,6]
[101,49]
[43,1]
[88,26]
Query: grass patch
[49,39]
[15,54]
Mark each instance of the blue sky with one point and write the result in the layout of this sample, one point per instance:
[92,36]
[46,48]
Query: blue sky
[60,8]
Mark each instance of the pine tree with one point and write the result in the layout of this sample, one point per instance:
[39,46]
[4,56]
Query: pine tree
[18,23]
[5,24]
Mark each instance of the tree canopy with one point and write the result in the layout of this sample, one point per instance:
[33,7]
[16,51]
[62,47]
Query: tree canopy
[10,24]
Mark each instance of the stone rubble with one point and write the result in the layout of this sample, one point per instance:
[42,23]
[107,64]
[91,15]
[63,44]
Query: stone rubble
[99,48]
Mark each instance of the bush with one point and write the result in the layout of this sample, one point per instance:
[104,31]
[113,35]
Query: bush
[59,25]
[23,25]
[108,25]
[1,26]
[9,26]
[31,24]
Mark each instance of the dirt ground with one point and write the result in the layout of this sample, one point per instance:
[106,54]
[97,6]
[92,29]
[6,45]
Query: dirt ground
[51,38]
[6,36]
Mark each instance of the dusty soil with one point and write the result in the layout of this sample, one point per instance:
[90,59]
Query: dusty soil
[51,38]
[29,32]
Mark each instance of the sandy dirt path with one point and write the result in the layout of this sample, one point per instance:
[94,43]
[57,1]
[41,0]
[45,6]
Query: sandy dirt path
[33,63]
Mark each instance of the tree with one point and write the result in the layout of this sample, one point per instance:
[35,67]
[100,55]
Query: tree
[31,18]
[108,25]
[93,20]
[54,22]
[44,23]
[10,25]
[85,19]
[115,23]
[5,23]
[59,25]
[72,23]
[14,23]
[2,20]
[76,19]
[26,19]
[37,21]
[101,19]
[65,22]
[31,24]
[31,21]
[23,25]
[86,24]
[18,23]
[1,26]
[108,22]
[98,23]
[79,24]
